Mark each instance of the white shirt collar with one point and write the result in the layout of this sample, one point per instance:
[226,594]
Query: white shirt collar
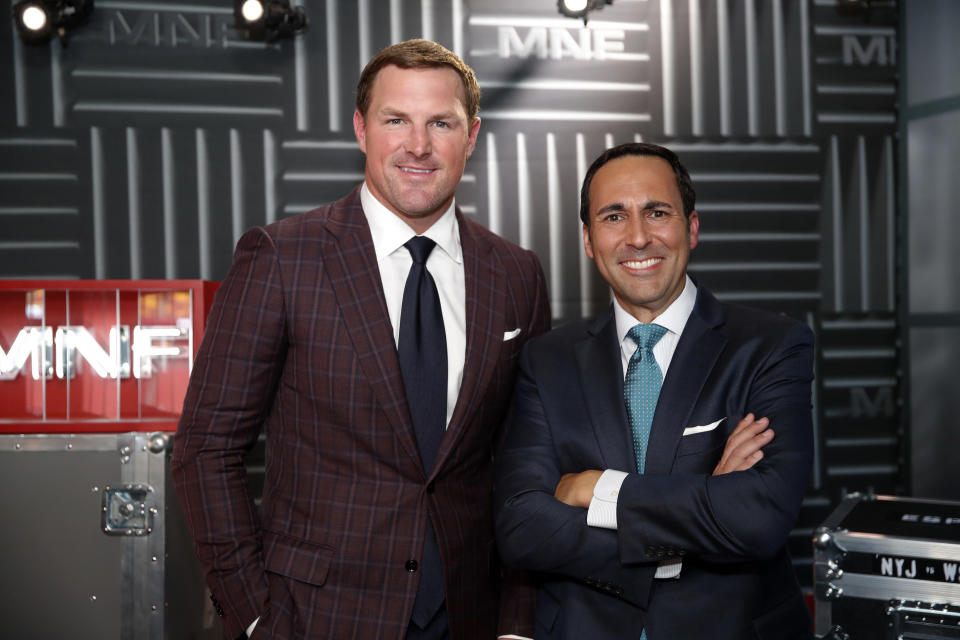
[674,318]
[391,233]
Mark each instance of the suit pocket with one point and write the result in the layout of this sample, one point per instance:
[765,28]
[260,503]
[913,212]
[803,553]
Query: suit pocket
[704,441]
[297,559]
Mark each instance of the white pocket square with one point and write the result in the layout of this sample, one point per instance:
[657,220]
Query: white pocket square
[689,431]
[510,335]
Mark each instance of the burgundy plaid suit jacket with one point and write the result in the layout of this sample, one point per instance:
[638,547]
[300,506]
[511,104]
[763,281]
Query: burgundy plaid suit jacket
[299,344]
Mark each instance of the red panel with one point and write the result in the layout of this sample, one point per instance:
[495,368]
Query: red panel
[21,315]
[88,356]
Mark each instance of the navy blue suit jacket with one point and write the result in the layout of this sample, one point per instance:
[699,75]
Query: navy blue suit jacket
[731,531]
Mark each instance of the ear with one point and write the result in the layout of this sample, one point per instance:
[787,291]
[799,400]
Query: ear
[472,139]
[360,129]
[587,247]
[694,228]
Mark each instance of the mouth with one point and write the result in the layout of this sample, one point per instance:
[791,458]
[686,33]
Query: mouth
[416,171]
[640,265]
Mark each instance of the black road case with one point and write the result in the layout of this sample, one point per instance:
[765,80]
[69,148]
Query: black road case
[887,567]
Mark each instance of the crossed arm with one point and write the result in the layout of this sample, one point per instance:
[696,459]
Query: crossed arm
[744,449]
[722,517]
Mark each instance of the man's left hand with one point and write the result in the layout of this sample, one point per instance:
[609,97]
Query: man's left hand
[576,489]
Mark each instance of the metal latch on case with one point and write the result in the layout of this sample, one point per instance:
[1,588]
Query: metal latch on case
[128,510]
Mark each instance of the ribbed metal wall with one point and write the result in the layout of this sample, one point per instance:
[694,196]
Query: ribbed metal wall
[147,146]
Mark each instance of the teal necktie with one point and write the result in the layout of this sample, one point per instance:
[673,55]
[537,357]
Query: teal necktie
[641,390]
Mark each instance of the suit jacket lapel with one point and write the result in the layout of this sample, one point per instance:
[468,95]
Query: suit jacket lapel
[351,264]
[601,376]
[696,355]
[484,280]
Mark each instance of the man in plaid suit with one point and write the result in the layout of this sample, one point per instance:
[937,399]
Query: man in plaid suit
[302,345]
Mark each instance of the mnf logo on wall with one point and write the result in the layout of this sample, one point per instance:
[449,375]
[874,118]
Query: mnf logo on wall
[551,69]
[97,355]
[70,344]
[558,43]
[523,37]
[179,25]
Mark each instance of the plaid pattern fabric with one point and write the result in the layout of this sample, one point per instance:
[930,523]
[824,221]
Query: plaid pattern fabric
[299,345]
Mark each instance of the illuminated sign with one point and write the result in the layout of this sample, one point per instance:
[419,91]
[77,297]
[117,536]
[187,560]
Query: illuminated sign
[559,43]
[82,356]
[118,360]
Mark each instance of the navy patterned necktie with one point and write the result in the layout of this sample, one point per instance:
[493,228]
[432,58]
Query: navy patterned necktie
[422,350]
[641,387]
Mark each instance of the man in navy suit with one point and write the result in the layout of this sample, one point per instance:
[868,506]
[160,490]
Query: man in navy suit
[693,545]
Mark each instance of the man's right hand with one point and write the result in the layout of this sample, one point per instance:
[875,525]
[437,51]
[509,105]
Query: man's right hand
[745,445]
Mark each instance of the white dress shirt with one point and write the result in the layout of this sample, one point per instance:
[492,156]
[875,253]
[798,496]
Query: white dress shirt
[445,264]
[603,505]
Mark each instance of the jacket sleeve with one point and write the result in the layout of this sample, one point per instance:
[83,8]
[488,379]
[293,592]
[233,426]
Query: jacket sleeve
[736,516]
[517,591]
[534,530]
[230,391]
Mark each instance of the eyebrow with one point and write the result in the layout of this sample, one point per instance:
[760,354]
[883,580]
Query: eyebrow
[391,112]
[657,204]
[647,206]
[613,206]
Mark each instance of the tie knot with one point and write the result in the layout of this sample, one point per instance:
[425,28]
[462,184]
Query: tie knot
[420,248]
[646,335]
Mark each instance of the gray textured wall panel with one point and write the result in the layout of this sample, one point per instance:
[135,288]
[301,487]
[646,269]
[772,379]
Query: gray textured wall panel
[934,225]
[149,144]
[931,66]
[934,353]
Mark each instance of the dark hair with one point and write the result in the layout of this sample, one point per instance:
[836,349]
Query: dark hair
[687,194]
[418,54]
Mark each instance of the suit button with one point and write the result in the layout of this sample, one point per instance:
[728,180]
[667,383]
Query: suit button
[411,565]
[431,488]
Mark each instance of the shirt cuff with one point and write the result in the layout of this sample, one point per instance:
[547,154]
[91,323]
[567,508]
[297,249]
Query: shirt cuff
[513,637]
[603,506]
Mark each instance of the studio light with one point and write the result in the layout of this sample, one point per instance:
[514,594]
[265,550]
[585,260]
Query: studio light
[580,8]
[268,20]
[37,21]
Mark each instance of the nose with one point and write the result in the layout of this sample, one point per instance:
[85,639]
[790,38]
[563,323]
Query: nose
[418,141]
[637,233]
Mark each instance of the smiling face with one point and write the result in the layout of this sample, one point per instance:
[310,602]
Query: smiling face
[638,234]
[417,137]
